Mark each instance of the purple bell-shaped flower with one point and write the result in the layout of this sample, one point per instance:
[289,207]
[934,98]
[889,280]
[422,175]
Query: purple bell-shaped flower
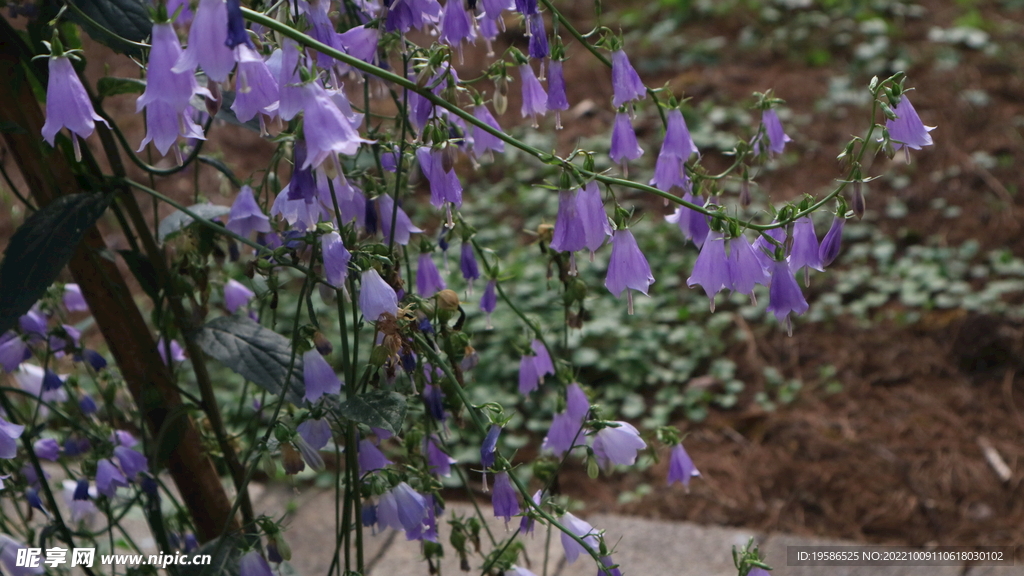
[628,268]
[535,99]
[68,105]
[784,295]
[376,297]
[907,130]
[680,467]
[318,376]
[503,497]
[208,42]
[626,83]
[624,144]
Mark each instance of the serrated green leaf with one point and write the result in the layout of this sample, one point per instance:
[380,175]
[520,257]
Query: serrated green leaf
[111,22]
[257,353]
[378,409]
[111,86]
[40,248]
[178,220]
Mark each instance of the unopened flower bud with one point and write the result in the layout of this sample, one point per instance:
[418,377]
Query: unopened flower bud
[745,193]
[213,104]
[448,300]
[500,95]
[323,345]
[291,459]
[448,158]
[858,199]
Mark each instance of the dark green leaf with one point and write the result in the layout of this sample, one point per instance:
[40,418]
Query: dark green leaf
[40,248]
[258,354]
[110,86]
[111,22]
[378,408]
[178,220]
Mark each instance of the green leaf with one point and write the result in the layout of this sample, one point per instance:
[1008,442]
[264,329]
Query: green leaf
[112,22]
[378,408]
[257,353]
[178,220]
[40,248]
[111,86]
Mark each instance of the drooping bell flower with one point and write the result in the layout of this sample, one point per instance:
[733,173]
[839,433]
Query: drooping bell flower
[617,445]
[628,268]
[131,461]
[626,83]
[34,323]
[13,351]
[765,249]
[745,269]
[78,497]
[456,27]
[535,99]
[528,377]
[557,100]
[467,262]
[538,47]
[493,8]
[483,141]
[784,295]
[427,530]
[428,278]
[907,130]
[489,301]
[109,478]
[360,42]
[12,561]
[185,16]
[123,438]
[371,458]
[503,497]
[316,432]
[692,224]
[237,34]
[777,138]
[678,146]
[832,242]
[526,7]
[236,295]
[444,184]
[804,253]
[433,399]
[591,211]
[404,15]
[73,300]
[47,449]
[438,462]
[68,105]
[208,42]
[322,29]
[624,144]
[164,124]
[318,376]
[246,216]
[580,528]
[253,563]
[376,297]
[489,446]
[257,91]
[403,224]
[680,467]
[51,381]
[300,213]
[310,455]
[402,508]
[336,258]
[285,62]
[326,129]
[542,359]
[569,235]
[527,523]
[564,430]
[87,405]
[711,270]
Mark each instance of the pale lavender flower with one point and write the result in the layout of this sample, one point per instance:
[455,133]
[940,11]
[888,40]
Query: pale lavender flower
[484,141]
[287,61]
[493,8]
[9,548]
[123,438]
[467,262]
[805,247]
[403,224]
[489,301]
[444,184]
[253,563]
[78,497]
[784,295]
[246,216]
[528,377]
[427,530]
[177,353]
[309,454]
[773,129]
[132,462]
[581,528]
[489,446]
[628,268]
[360,42]
[109,478]
[13,351]
[538,46]
[376,297]
[326,129]
[371,458]
[908,129]
[519,571]
[569,235]
[402,508]
[73,300]
[300,213]
[164,124]
[591,211]
[557,100]
[526,524]
[503,497]
[437,461]
[336,258]
[535,100]
[626,83]
[207,42]
[680,467]
[832,242]
[765,249]
[428,278]
[162,82]
[617,445]
[692,224]
[624,144]
[542,359]
[318,376]
[404,15]
[236,295]
[68,104]
[47,449]
[316,432]
[257,91]
[711,270]
[456,27]
[526,7]
[34,323]
[745,269]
